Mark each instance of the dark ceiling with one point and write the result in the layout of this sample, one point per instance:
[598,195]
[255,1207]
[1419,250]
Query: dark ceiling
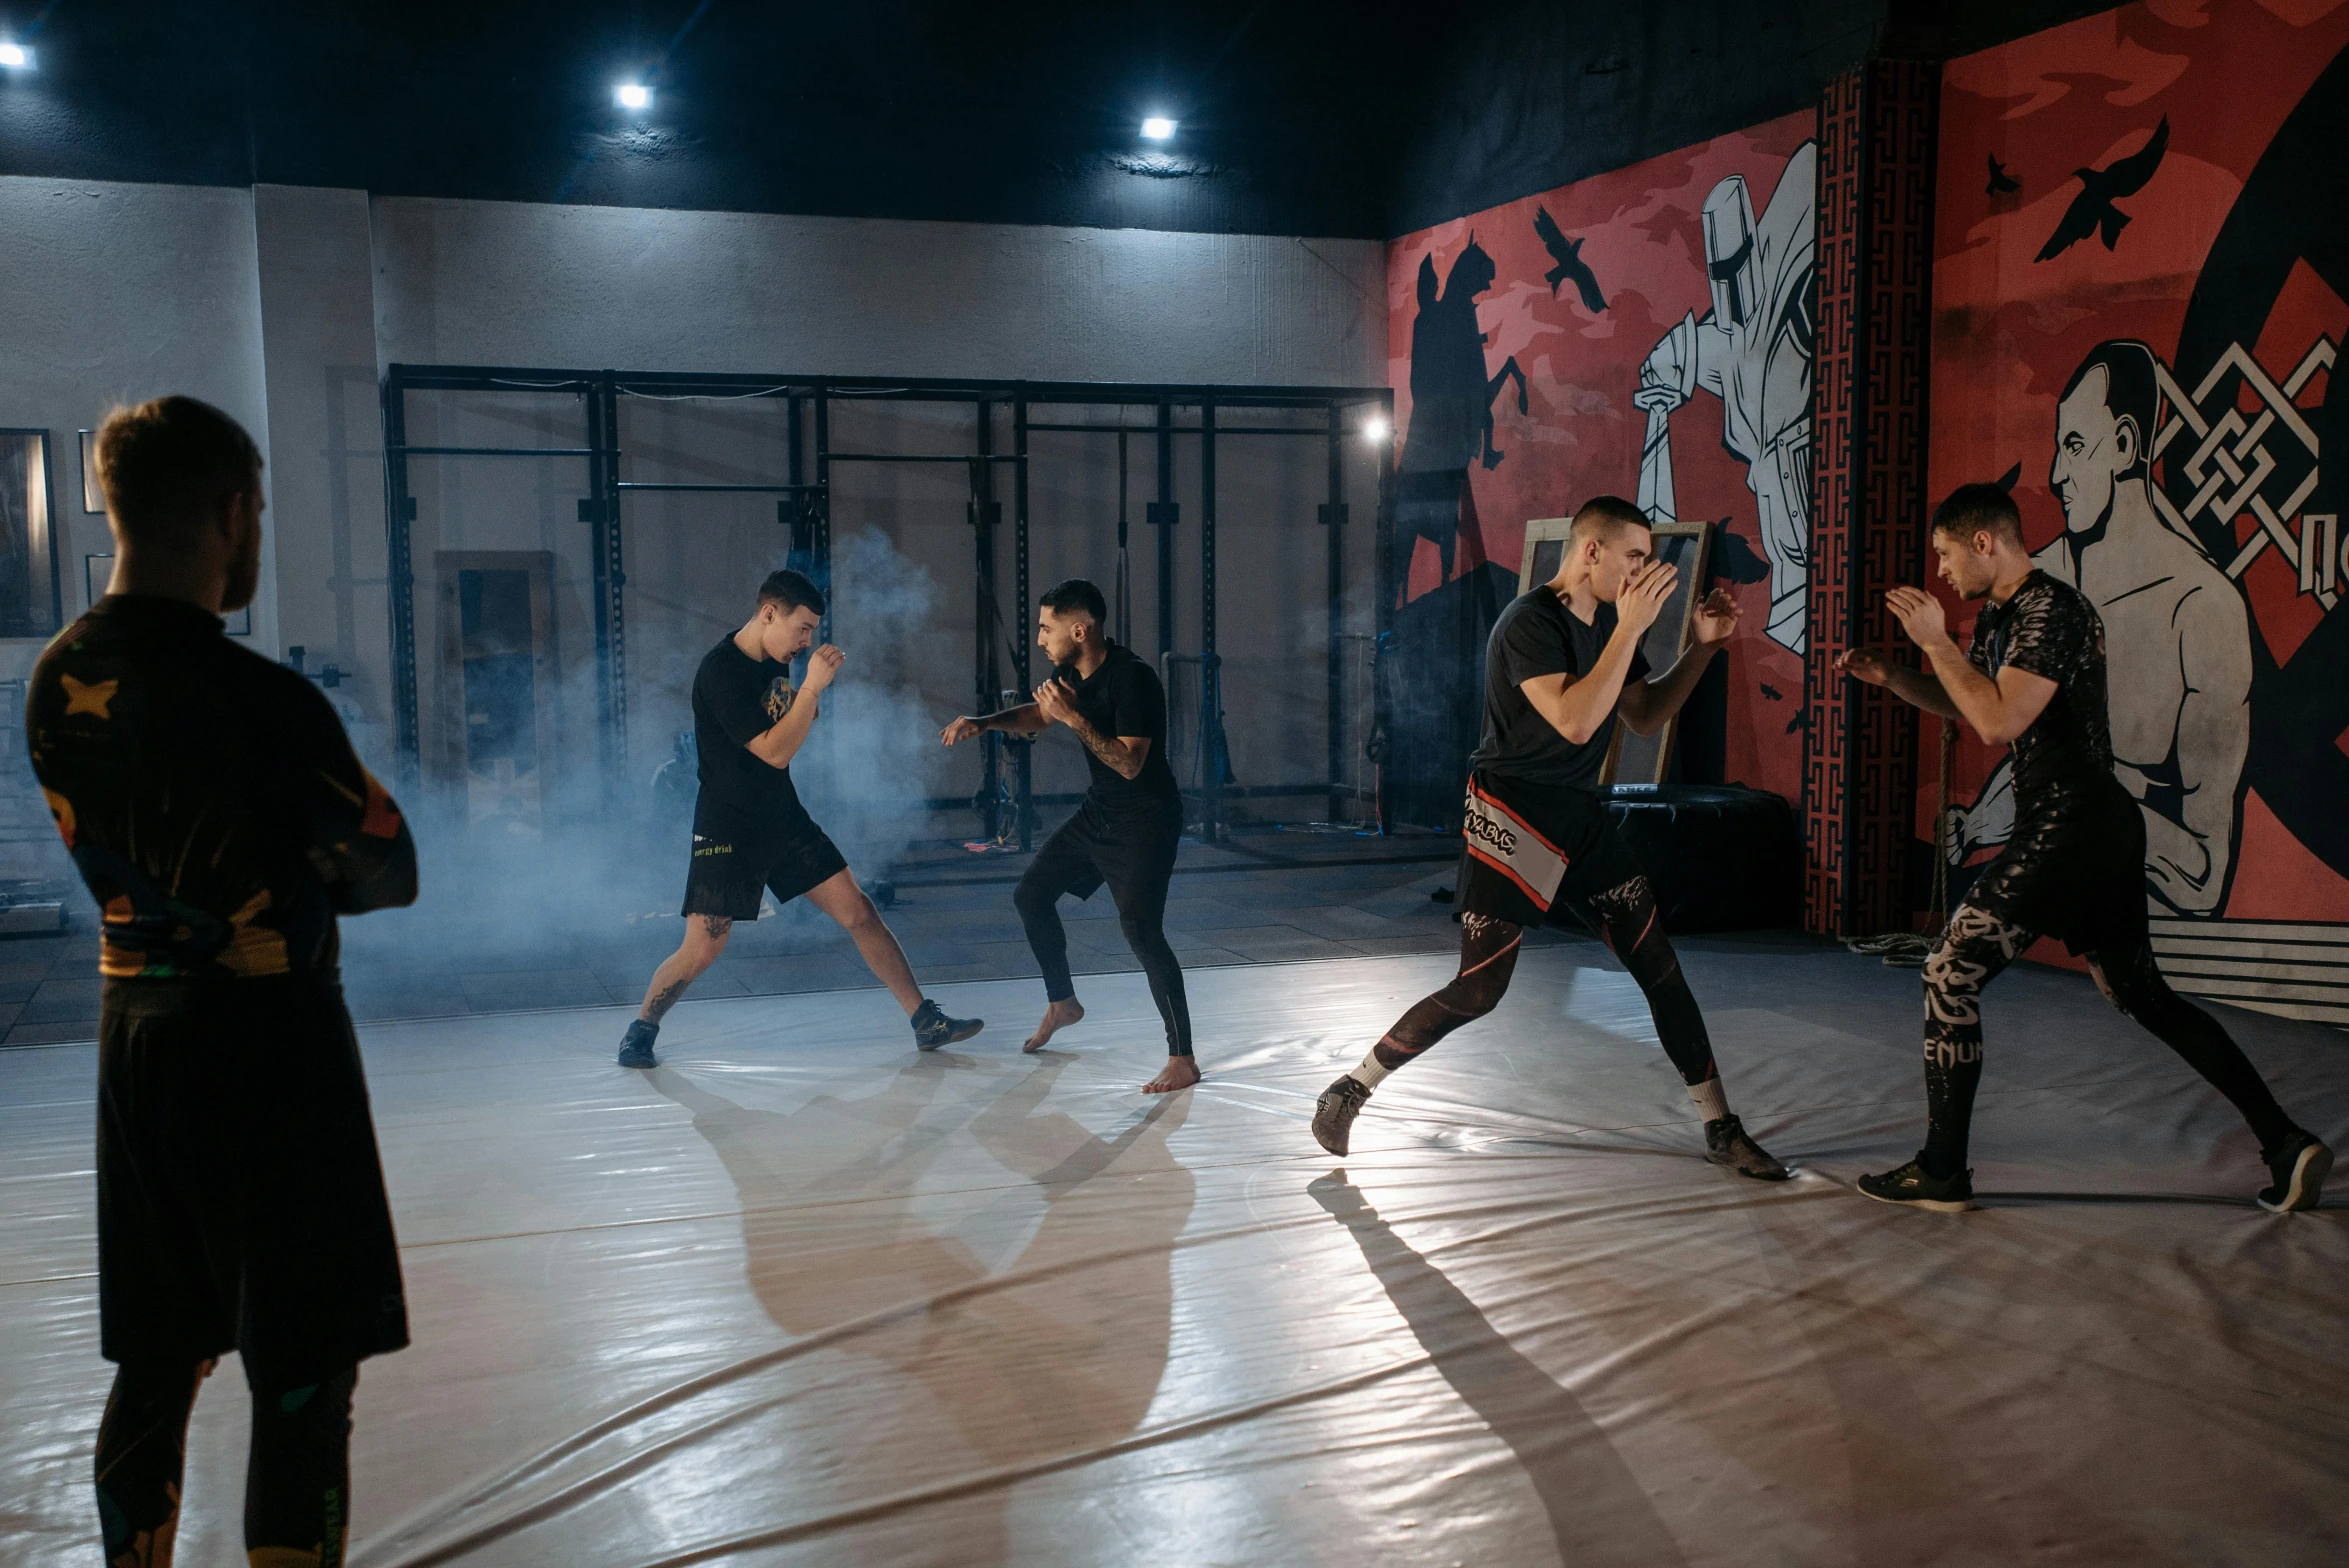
[1323,117]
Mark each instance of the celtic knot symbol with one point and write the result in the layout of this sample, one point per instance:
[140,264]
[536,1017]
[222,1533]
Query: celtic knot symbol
[2234,469]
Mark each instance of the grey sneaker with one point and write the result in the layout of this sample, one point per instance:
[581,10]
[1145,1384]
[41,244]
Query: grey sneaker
[1728,1143]
[932,1028]
[2300,1165]
[1334,1112]
[636,1046]
[1910,1186]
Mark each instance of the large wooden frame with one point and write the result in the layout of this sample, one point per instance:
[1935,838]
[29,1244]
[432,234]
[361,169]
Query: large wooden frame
[1634,759]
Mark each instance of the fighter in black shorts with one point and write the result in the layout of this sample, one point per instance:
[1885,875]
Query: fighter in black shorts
[1563,661]
[1126,830]
[750,833]
[2074,868]
[211,802]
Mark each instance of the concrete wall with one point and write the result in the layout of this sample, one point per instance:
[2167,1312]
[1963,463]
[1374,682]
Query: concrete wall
[282,304]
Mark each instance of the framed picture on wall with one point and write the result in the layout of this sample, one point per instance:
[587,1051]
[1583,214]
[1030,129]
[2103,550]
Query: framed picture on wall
[1634,759]
[98,570]
[93,497]
[29,597]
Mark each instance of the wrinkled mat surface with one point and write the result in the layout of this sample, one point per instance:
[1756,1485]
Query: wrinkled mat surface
[804,1296]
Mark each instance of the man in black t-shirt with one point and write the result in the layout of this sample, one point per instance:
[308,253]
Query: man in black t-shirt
[1126,830]
[214,807]
[1537,842]
[2033,679]
[751,835]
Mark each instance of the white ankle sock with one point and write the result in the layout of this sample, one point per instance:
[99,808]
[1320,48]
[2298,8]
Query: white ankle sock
[1370,1074]
[1711,1102]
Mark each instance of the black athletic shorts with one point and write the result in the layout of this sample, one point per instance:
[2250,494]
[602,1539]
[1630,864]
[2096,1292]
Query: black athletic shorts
[240,1199]
[727,874]
[2073,870]
[1129,845]
[1532,854]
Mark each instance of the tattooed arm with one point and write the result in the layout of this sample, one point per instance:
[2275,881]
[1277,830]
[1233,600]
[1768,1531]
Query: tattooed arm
[1026,719]
[1123,754]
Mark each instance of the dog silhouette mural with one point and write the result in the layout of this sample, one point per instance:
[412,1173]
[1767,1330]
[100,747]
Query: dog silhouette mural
[1434,664]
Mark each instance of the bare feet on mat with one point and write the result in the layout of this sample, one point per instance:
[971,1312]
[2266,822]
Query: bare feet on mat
[1181,1072]
[1057,1016]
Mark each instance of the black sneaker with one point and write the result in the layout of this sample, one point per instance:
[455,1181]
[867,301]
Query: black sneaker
[1334,1112]
[1911,1186]
[636,1045]
[932,1028]
[1728,1143]
[2299,1164]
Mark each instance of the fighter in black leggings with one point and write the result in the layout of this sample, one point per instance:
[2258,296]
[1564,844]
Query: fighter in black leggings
[2074,868]
[1126,831]
[1538,843]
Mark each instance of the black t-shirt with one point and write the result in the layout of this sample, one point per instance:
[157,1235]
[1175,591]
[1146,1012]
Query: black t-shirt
[1123,697]
[736,699]
[2050,629]
[1539,635]
[209,797]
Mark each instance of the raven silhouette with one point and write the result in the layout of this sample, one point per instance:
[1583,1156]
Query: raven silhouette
[2093,208]
[2001,182]
[1568,256]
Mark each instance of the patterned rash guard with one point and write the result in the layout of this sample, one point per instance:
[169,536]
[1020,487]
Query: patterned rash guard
[2051,630]
[209,797]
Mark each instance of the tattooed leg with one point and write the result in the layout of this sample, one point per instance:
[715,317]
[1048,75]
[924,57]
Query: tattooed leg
[705,939]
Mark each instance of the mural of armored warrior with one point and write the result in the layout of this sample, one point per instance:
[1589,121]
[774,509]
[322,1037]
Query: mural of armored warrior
[1753,351]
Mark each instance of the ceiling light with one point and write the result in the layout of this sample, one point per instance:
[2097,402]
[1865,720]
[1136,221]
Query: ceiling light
[632,95]
[15,56]
[1374,429]
[1158,128]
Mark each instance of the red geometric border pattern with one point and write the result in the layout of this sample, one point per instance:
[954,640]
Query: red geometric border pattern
[1876,147]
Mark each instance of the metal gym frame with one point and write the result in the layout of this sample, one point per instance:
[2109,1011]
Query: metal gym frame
[804,509]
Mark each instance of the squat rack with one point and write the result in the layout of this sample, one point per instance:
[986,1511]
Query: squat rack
[804,508]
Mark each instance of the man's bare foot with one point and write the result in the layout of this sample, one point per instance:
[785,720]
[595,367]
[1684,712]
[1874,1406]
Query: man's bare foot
[1057,1016]
[1181,1072]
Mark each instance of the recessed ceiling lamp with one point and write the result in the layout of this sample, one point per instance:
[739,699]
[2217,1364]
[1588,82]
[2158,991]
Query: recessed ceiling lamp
[16,57]
[1158,128]
[632,95]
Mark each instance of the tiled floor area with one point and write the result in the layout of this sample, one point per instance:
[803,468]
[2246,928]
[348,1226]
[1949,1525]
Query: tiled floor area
[1270,897]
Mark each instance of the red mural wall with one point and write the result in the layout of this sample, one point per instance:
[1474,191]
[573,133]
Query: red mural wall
[1602,309]
[2140,281]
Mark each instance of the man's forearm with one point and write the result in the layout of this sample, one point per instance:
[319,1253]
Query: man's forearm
[1920,688]
[779,745]
[1116,753]
[1025,719]
[1668,692]
[1974,696]
[1583,705]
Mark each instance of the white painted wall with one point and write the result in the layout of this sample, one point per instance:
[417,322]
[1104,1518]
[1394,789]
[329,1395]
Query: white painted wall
[282,304]
[474,282]
[118,293]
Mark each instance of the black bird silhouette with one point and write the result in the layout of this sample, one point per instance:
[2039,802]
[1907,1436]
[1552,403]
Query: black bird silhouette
[2093,208]
[1772,692]
[1568,256]
[2001,182]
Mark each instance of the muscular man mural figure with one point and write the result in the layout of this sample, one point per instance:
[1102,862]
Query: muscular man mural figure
[1753,351]
[2180,632]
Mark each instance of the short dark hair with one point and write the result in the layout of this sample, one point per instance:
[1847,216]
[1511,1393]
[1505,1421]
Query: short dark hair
[1077,594]
[1975,508]
[1607,515]
[2132,389]
[168,462]
[792,591]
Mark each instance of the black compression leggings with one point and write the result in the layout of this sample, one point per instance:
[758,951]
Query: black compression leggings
[1969,956]
[1141,915]
[297,1476]
[1626,919]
